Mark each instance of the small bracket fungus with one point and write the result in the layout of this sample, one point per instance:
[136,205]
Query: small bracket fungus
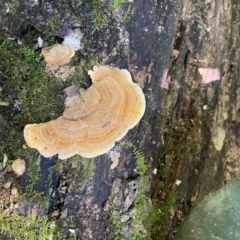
[57,54]
[94,119]
[19,166]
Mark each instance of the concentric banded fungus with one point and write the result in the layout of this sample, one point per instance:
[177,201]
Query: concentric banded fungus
[57,54]
[93,119]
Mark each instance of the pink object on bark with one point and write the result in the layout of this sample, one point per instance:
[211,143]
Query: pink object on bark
[165,79]
[189,44]
[209,74]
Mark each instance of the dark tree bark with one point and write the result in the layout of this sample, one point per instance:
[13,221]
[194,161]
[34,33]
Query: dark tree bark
[152,31]
[206,129]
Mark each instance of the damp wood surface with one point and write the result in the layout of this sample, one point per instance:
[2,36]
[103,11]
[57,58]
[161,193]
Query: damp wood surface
[190,130]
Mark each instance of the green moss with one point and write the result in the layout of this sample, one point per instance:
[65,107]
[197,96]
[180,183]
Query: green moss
[201,8]
[80,165]
[32,177]
[157,215]
[140,202]
[81,170]
[31,93]
[73,236]
[116,3]
[38,198]
[33,97]
[126,15]
[141,211]
[99,15]
[33,170]
[30,227]
[147,217]
[102,11]
[54,20]
[89,63]
[23,74]
[14,6]
[116,220]
[141,166]
[168,103]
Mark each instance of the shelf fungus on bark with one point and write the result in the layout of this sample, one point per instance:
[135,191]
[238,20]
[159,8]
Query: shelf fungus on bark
[94,119]
[57,54]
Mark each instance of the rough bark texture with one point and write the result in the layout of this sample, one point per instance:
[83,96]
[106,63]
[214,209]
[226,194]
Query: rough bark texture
[208,122]
[184,116]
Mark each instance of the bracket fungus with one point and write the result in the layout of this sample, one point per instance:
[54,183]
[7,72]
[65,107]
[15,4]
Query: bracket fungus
[94,119]
[57,54]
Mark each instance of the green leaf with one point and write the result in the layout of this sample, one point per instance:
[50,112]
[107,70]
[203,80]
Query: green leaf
[216,217]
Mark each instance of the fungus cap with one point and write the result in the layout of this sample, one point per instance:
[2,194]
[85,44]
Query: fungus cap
[93,119]
[57,54]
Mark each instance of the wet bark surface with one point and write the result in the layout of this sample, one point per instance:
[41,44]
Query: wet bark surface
[150,51]
[208,156]
[190,128]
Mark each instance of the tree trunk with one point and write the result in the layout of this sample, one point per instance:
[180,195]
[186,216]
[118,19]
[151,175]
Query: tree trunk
[184,55]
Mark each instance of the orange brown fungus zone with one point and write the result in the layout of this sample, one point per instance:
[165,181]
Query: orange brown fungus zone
[93,119]
[57,54]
